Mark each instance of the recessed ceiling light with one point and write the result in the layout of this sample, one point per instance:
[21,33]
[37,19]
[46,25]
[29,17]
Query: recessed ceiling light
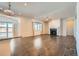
[1,8]
[25,4]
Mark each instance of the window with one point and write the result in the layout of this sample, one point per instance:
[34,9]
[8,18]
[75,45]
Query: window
[37,26]
[6,29]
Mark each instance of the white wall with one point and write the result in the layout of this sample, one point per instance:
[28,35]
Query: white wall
[46,28]
[63,27]
[77,29]
[25,28]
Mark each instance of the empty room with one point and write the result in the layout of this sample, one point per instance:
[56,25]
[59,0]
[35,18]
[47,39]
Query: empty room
[39,29]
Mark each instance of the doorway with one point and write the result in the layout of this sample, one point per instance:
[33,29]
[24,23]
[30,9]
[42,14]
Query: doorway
[37,28]
[70,27]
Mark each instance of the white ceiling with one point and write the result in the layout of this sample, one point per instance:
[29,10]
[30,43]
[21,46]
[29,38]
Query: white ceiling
[38,9]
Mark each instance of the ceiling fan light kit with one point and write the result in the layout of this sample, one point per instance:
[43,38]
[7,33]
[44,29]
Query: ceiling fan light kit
[9,12]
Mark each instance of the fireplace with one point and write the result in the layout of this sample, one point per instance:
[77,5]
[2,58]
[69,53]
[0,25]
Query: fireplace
[53,31]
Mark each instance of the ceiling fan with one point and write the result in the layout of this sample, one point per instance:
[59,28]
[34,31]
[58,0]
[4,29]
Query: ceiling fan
[8,11]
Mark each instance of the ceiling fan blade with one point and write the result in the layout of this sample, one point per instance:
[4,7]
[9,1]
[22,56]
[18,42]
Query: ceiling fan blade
[1,9]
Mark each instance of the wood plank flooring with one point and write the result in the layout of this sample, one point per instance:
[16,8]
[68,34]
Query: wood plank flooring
[43,45]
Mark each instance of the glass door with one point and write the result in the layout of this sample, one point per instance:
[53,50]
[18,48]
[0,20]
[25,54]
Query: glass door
[6,30]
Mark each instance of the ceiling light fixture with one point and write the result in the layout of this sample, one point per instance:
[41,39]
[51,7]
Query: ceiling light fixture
[9,11]
[26,4]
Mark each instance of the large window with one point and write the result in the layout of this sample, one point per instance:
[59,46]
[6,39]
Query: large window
[37,26]
[6,29]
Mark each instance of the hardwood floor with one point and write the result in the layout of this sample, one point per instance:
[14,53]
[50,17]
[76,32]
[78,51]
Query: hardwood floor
[43,45]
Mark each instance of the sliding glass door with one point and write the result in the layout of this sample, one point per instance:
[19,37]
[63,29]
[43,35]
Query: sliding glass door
[6,29]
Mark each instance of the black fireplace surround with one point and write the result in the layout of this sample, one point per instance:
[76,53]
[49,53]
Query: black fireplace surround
[53,31]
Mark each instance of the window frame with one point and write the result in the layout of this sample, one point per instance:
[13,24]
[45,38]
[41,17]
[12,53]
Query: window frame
[7,28]
[38,23]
